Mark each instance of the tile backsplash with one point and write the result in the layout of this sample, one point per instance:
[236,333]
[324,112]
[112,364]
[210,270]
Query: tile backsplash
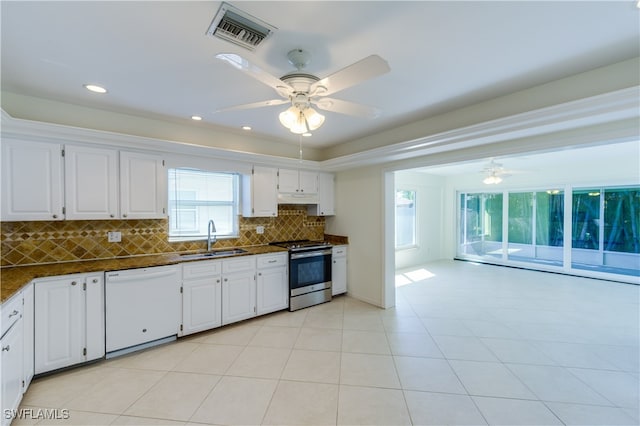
[28,243]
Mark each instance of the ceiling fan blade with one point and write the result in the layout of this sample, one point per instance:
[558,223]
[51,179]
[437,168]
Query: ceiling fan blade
[271,102]
[365,69]
[242,64]
[345,107]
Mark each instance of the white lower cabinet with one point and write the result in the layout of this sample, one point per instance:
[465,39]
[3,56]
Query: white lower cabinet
[201,296]
[238,289]
[69,320]
[339,270]
[28,340]
[272,283]
[12,356]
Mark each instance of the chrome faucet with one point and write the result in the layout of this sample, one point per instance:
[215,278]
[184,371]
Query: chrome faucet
[211,228]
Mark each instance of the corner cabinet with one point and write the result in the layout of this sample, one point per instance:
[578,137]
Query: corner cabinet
[32,176]
[143,186]
[260,192]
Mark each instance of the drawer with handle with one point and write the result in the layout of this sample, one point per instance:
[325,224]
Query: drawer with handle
[269,261]
[11,312]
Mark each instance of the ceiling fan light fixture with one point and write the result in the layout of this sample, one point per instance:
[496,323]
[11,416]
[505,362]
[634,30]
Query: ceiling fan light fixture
[300,125]
[288,117]
[492,179]
[314,118]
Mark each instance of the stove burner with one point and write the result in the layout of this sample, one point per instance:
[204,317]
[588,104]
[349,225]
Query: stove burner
[301,244]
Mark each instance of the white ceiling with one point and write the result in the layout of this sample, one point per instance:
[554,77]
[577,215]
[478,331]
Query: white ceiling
[156,61]
[625,157]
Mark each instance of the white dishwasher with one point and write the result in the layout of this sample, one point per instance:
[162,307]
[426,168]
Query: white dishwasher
[142,308]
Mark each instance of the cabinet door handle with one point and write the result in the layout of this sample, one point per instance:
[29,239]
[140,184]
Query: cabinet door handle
[55,216]
[6,348]
[95,280]
[73,283]
[226,279]
[273,261]
[259,274]
[111,215]
[124,215]
[217,280]
[14,313]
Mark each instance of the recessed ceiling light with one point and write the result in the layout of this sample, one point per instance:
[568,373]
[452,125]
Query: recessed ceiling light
[95,88]
[306,135]
[196,117]
[246,127]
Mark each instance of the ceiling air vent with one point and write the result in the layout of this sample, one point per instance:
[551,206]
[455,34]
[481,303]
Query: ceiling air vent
[236,26]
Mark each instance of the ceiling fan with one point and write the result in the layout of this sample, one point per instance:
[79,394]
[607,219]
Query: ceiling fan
[494,173]
[304,91]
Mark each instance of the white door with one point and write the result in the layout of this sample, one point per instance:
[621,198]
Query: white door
[272,290]
[308,182]
[59,323]
[339,275]
[326,194]
[91,183]
[238,296]
[28,336]
[201,304]
[288,180]
[265,192]
[95,328]
[11,356]
[31,181]
[143,186]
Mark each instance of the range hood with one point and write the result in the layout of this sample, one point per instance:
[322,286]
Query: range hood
[295,198]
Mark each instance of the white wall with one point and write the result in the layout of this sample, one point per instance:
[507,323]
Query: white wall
[359,215]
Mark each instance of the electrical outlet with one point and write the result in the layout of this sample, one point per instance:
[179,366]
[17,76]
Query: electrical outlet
[260,229]
[114,236]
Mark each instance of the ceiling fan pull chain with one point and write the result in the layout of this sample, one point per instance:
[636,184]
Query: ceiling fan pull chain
[300,141]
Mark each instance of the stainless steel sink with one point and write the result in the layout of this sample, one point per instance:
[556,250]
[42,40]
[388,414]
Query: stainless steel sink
[215,253]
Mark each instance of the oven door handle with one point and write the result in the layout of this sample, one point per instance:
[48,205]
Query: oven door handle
[310,254]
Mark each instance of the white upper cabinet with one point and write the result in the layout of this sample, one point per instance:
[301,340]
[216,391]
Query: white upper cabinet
[297,181]
[38,183]
[91,183]
[326,196]
[143,186]
[31,181]
[260,192]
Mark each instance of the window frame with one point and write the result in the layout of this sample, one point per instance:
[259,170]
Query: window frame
[414,243]
[234,204]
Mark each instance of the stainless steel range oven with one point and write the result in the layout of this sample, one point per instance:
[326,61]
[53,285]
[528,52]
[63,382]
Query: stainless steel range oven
[309,273]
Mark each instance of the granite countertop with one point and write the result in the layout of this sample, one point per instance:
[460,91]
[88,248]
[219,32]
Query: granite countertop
[13,278]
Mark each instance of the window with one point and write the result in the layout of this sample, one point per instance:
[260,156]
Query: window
[481,224]
[197,196]
[605,228]
[405,218]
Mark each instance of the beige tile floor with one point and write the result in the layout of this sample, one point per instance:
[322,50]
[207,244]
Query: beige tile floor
[472,344]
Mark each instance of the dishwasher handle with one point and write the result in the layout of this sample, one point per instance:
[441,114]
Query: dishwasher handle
[142,275]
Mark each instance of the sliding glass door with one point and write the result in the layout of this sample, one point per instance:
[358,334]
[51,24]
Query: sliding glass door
[606,230]
[481,224]
[528,227]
